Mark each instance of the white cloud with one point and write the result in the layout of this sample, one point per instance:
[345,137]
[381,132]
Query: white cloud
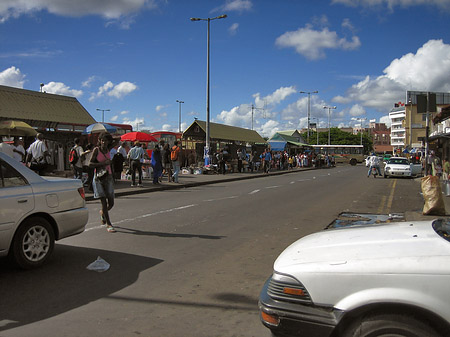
[122,89]
[114,118]
[160,107]
[269,128]
[312,43]
[275,98]
[60,88]
[233,28]
[118,91]
[235,5]
[357,110]
[12,77]
[110,9]
[89,81]
[124,112]
[386,120]
[426,70]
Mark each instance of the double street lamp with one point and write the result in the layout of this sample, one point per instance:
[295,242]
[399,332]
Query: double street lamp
[103,113]
[329,129]
[309,107]
[206,153]
[361,120]
[179,115]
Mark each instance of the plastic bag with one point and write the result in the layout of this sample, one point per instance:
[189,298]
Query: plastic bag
[98,265]
[432,194]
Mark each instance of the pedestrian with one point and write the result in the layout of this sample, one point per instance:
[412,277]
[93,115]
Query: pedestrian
[77,165]
[175,158]
[446,170]
[267,161]
[436,165]
[136,157]
[118,160]
[167,163]
[103,181]
[86,168]
[18,149]
[240,158]
[156,164]
[37,154]
[6,148]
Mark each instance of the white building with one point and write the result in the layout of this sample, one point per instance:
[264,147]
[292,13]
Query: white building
[398,131]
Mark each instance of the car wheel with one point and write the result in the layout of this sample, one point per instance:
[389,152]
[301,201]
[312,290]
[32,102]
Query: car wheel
[389,325]
[33,243]
[353,162]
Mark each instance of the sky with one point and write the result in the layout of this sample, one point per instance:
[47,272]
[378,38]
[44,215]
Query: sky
[136,58]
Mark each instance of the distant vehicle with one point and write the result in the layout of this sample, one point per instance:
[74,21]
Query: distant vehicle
[347,154]
[401,167]
[386,157]
[373,280]
[35,211]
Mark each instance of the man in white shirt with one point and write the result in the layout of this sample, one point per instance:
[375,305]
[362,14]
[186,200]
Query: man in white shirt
[37,155]
[78,166]
[19,151]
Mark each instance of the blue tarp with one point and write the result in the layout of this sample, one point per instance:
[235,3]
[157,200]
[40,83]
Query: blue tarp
[277,145]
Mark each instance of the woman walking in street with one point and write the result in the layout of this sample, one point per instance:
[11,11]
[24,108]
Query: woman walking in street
[103,182]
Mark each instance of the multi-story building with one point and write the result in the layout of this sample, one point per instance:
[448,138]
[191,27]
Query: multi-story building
[408,120]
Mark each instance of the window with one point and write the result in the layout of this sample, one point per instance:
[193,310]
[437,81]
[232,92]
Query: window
[9,177]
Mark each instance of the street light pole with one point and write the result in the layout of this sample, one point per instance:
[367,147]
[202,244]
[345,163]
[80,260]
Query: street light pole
[179,116]
[206,153]
[317,128]
[309,108]
[329,128]
[103,113]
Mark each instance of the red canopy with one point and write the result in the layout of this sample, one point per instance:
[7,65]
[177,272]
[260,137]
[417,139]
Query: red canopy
[137,136]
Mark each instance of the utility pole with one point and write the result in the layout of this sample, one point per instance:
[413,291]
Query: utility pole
[309,107]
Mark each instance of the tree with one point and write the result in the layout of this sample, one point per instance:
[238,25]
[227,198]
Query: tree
[339,137]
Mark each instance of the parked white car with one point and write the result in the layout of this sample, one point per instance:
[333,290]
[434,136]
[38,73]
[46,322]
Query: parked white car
[35,211]
[401,167]
[374,280]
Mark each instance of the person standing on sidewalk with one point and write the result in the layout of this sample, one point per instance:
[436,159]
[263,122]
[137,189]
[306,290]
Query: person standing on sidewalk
[175,158]
[267,160]
[136,156]
[167,163]
[77,166]
[156,164]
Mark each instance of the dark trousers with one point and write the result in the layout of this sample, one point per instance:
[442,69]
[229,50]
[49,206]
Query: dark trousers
[136,165]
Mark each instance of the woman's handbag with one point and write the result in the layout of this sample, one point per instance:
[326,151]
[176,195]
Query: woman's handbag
[101,174]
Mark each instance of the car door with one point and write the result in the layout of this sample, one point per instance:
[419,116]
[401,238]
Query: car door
[16,201]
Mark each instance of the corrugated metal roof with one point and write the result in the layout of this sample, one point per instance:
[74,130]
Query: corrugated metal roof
[21,104]
[227,132]
[279,136]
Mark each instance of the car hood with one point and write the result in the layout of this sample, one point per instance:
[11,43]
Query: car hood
[379,248]
[402,166]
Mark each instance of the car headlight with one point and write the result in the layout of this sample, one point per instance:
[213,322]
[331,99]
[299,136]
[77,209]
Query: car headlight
[287,288]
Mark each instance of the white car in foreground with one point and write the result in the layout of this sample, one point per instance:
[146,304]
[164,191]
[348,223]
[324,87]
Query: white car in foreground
[369,281]
[35,211]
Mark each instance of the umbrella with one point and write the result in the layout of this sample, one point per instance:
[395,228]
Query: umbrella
[99,127]
[16,128]
[137,136]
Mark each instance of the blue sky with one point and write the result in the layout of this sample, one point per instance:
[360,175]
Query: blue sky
[137,57]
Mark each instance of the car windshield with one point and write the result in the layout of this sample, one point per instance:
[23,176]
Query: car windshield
[442,227]
[402,161]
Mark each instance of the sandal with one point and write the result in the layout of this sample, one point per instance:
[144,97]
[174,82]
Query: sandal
[111,229]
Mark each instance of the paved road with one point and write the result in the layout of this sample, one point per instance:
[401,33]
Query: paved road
[186,262]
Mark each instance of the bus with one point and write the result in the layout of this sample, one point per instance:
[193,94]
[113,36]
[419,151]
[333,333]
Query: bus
[351,154]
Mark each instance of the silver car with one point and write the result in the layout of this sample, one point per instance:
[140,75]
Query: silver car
[378,280]
[35,211]
[401,167]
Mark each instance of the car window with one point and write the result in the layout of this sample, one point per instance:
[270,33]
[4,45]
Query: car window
[398,161]
[9,177]
[442,227]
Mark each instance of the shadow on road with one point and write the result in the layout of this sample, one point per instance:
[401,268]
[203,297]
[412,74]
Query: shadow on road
[64,283]
[134,231]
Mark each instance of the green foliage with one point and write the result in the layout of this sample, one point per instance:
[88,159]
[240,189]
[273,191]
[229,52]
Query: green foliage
[339,137]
